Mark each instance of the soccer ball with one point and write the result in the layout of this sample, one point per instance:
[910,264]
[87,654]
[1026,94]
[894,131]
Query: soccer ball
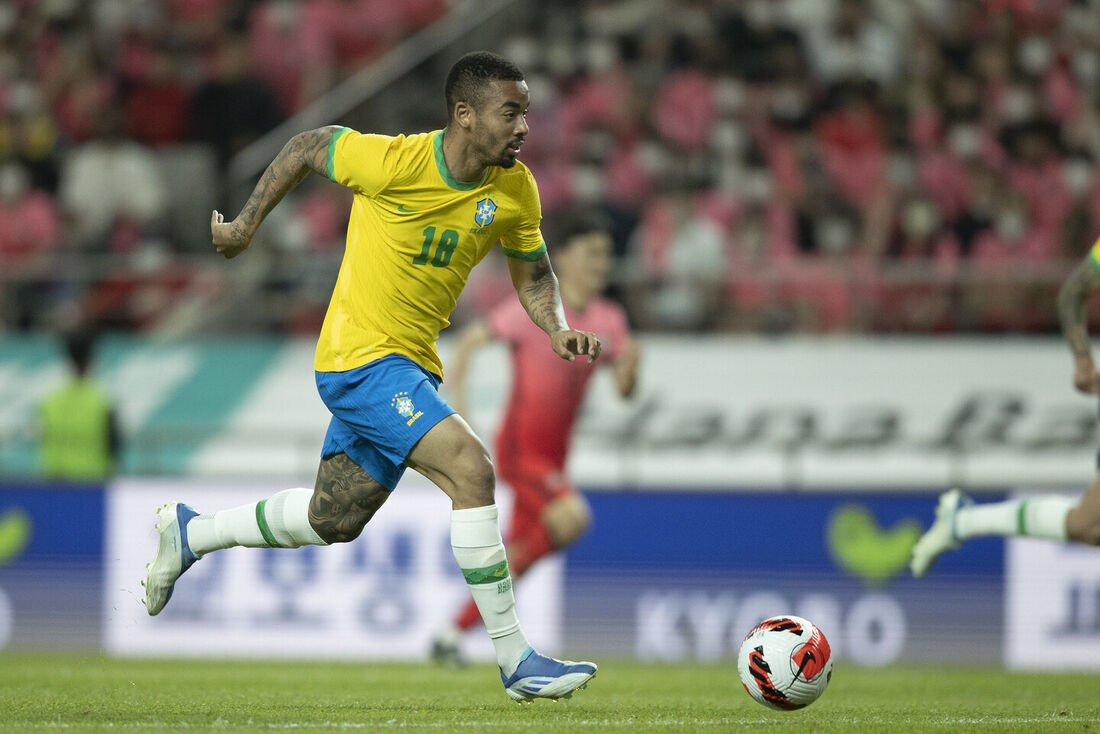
[785,662]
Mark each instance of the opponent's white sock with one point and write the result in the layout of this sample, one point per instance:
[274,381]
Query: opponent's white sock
[989,518]
[479,550]
[451,636]
[1035,517]
[279,522]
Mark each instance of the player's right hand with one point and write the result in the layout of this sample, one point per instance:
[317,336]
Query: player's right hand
[1085,377]
[569,344]
[230,238]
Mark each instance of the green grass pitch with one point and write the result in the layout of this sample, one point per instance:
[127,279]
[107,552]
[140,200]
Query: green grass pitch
[56,692]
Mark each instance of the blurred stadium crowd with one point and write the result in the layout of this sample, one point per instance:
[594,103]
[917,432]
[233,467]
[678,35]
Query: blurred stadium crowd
[766,165]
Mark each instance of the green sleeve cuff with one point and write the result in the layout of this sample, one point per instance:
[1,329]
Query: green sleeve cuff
[1093,259]
[525,255]
[330,167]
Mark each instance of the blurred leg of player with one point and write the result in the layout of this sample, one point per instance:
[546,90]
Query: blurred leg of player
[185,536]
[1052,518]
[344,500]
[548,514]
[281,521]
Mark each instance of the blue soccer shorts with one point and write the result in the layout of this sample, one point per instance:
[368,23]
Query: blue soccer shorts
[379,412]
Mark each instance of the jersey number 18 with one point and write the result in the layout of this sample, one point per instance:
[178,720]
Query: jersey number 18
[448,241]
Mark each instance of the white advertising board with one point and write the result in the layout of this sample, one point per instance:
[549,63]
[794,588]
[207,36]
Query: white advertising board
[1052,605]
[843,414]
[727,413]
[383,596]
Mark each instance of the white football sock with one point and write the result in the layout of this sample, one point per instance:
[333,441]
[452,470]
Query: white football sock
[279,522]
[1036,517]
[479,550]
[1045,517]
[989,518]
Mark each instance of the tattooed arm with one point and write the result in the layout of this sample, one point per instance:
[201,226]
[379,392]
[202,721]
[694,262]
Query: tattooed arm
[1075,292]
[537,288]
[305,152]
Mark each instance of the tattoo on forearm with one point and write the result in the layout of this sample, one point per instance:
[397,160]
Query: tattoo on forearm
[1075,292]
[304,152]
[542,299]
[344,499]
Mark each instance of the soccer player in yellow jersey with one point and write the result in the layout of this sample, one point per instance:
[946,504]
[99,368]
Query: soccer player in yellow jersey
[1057,518]
[427,209]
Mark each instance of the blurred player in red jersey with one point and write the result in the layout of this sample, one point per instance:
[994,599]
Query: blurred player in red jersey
[548,512]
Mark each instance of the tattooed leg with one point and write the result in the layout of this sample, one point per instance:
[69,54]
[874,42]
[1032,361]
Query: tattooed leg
[344,499]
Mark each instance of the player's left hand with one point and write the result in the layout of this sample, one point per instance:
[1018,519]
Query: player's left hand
[568,343]
[1085,377]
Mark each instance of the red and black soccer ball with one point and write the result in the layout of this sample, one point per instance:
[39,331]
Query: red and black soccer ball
[785,662]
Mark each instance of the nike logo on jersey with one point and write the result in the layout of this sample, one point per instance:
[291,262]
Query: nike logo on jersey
[401,208]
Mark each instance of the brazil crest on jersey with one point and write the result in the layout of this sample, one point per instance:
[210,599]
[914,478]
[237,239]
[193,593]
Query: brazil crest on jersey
[413,237]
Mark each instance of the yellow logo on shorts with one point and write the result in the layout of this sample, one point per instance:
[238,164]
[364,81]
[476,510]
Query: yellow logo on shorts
[405,408]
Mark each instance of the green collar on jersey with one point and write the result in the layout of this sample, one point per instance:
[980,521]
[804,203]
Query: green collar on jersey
[441,164]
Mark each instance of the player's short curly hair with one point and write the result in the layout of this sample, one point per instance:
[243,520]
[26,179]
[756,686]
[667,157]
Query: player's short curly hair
[567,228]
[468,78]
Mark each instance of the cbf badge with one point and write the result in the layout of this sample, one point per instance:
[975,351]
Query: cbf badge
[405,408]
[486,211]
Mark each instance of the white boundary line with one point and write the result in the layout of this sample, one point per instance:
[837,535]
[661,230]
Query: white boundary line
[900,724]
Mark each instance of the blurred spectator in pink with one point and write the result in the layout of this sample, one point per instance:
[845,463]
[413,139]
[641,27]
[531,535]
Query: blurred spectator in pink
[1035,171]
[852,144]
[198,21]
[112,191]
[760,248]
[290,49]
[989,67]
[156,100]
[820,287]
[684,110]
[29,230]
[75,79]
[1013,241]
[301,48]
[80,101]
[633,170]
[601,98]
[1005,258]
[945,171]
[683,260]
[921,258]
[360,30]
[29,222]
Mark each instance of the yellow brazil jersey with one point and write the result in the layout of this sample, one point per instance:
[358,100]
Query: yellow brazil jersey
[1094,254]
[413,237]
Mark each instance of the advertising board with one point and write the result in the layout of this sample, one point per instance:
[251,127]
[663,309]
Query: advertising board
[51,565]
[684,575]
[1052,605]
